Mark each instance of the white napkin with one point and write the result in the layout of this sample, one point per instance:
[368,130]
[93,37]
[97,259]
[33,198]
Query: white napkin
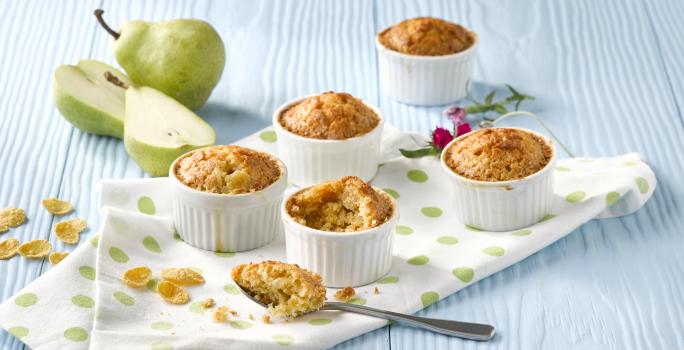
[434,256]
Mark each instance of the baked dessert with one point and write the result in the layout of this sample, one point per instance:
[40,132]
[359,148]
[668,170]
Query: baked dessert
[227,169]
[344,205]
[287,289]
[498,154]
[329,116]
[427,36]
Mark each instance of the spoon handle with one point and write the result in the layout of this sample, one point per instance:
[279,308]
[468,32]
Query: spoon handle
[474,331]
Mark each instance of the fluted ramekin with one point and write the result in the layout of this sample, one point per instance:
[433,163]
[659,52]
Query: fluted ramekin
[312,161]
[225,222]
[425,80]
[502,205]
[342,259]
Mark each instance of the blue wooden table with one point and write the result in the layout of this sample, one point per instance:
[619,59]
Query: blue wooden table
[608,76]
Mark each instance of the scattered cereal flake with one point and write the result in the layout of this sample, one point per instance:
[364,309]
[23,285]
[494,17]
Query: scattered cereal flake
[376,290]
[234,313]
[56,257]
[57,206]
[345,294]
[8,248]
[137,277]
[251,317]
[266,319]
[182,276]
[69,231]
[209,303]
[173,293]
[36,249]
[12,217]
[221,314]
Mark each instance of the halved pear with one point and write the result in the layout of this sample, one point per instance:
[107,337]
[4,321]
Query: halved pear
[158,129]
[91,96]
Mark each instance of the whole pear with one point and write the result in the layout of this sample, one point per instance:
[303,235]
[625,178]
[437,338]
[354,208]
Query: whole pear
[183,58]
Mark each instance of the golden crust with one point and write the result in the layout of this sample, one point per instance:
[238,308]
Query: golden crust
[427,36]
[228,169]
[330,116]
[287,289]
[498,154]
[344,205]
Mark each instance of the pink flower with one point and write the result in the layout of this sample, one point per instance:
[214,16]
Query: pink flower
[463,129]
[455,114]
[441,137]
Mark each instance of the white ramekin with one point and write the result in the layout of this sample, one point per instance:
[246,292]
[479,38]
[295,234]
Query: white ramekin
[312,161]
[227,223]
[502,205]
[343,259]
[425,80]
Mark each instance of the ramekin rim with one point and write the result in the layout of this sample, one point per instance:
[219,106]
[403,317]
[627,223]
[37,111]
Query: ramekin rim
[276,123]
[288,219]
[380,47]
[283,177]
[482,183]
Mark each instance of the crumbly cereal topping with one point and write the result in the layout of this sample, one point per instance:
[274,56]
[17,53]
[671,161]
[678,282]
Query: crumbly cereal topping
[427,36]
[228,169]
[498,154]
[329,116]
[345,205]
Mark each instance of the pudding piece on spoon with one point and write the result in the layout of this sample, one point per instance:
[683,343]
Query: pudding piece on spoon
[288,290]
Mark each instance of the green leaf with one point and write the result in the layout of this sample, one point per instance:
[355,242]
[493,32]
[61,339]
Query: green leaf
[417,153]
[489,98]
[512,90]
[500,108]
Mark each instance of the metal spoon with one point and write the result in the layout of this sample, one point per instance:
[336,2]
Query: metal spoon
[474,331]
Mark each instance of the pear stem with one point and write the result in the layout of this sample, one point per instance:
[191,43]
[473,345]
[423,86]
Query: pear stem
[112,32]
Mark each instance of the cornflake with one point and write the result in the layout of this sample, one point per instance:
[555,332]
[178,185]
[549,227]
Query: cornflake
[345,294]
[182,276]
[266,319]
[56,257]
[57,206]
[12,217]
[221,314]
[8,248]
[69,231]
[172,293]
[36,249]
[137,277]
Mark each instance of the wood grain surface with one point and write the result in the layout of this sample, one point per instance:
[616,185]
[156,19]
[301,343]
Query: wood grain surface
[608,77]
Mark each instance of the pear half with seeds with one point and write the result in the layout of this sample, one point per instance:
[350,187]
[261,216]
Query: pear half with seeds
[91,96]
[158,129]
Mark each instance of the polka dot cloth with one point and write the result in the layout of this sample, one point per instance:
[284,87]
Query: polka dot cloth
[429,246]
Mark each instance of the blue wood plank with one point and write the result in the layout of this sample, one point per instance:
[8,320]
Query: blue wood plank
[608,80]
[600,84]
[35,37]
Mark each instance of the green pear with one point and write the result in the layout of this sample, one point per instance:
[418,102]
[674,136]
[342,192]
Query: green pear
[158,129]
[182,58]
[91,96]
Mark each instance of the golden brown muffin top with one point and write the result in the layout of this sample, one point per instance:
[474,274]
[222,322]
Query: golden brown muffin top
[329,116]
[227,169]
[287,289]
[427,36]
[498,154]
[344,205]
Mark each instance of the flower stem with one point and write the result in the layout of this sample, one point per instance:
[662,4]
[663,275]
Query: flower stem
[538,120]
